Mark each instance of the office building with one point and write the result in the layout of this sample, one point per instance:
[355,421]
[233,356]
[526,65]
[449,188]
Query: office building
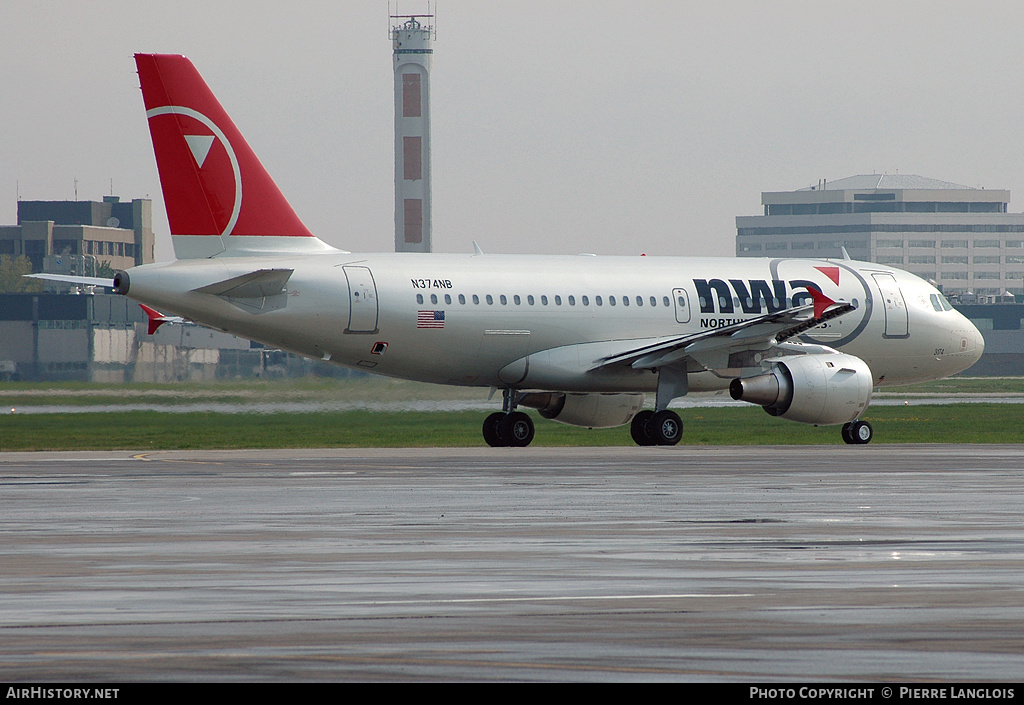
[81,237]
[963,239]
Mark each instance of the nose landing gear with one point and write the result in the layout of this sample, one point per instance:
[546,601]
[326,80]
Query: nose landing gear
[857,432]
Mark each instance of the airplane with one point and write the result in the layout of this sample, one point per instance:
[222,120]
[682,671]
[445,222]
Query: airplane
[582,339]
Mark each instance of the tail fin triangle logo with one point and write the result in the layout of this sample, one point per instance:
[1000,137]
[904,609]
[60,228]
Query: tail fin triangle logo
[199,145]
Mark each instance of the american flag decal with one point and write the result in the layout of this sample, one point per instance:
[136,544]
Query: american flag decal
[430,319]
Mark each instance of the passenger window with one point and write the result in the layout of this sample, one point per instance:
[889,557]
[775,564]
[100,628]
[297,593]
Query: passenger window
[462,299]
[585,300]
[476,299]
[517,299]
[529,299]
[597,300]
[611,300]
[544,299]
[433,298]
[419,298]
[447,298]
[490,300]
[572,300]
[503,299]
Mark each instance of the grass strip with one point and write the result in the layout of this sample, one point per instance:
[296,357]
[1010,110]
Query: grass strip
[153,430]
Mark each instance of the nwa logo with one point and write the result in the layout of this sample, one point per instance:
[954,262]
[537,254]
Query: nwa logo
[758,295]
[753,295]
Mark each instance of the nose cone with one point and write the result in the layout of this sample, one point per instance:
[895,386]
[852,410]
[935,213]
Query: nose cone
[969,344]
[977,341]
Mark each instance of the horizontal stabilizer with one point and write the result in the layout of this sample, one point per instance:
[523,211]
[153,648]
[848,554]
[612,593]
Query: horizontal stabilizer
[259,284]
[68,279]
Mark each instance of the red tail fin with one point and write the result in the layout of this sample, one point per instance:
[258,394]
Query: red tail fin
[213,184]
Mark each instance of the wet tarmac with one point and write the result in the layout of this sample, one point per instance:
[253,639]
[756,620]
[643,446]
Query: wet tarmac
[761,564]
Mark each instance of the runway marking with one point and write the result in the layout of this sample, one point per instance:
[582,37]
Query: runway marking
[145,458]
[564,598]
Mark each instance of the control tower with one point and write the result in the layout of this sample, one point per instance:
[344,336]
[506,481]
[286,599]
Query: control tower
[412,41]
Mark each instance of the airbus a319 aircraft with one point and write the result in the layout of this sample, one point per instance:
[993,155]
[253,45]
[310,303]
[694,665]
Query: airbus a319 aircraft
[582,339]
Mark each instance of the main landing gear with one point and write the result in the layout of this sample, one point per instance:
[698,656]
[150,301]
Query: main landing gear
[508,428]
[514,429]
[511,428]
[656,428]
[857,432]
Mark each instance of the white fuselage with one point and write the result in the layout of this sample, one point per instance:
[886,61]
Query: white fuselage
[468,319]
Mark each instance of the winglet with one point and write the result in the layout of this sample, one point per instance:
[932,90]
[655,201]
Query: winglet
[156,319]
[821,302]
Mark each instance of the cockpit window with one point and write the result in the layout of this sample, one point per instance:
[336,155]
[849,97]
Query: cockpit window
[939,303]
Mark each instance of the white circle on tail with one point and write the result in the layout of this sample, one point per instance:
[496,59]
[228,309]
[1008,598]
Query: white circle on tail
[196,115]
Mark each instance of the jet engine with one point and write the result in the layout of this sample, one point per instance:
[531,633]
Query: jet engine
[589,410]
[822,389]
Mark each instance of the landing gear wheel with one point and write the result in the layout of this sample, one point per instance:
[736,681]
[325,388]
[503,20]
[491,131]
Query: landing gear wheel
[861,432]
[858,432]
[666,428]
[492,432]
[517,429]
[640,429]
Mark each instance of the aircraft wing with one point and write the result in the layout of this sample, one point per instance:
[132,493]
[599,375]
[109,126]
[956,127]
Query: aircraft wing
[755,333]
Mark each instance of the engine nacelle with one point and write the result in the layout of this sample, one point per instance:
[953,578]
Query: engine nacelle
[589,410]
[822,390]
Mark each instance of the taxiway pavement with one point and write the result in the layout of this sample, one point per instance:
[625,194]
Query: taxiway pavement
[747,563]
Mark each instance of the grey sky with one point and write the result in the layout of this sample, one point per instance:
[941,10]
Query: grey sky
[558,127]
